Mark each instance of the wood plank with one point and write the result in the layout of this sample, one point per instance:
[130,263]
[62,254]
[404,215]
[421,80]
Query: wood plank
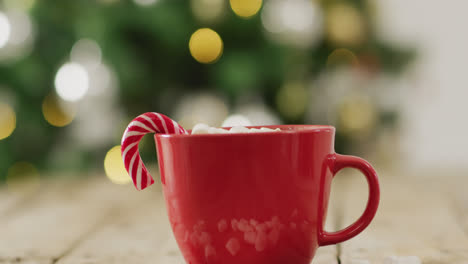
[457,191]
[329,254]
[415,218]
[18,193]
[58,218]
[26,261]
[134,236]
[9,200]
[169,253]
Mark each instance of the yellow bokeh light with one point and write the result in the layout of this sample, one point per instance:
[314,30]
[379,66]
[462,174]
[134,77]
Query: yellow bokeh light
[245,8]
[206,46]
[7,120]
[21,4]
[22,177]
[114,167]
[342,57]
[357,115]
[345,25]
[208,11]
[292,100]
[54,114]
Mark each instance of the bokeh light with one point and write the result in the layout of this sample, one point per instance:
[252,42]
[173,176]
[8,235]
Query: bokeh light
[342,56]
[5,29]
[102,82]
[201,108]
[293,22]
[357,115]
[19,4]
[345,25]
[206,46]
[145,2]
[17,34]
[72,82]
[22,177]
[245,8]
[236,120]
[258,113]
[86,52]
[22,27]
[292,100]
[296,15]
[55,114]
[7,120]
[208,11]
[108,2]
[115,168]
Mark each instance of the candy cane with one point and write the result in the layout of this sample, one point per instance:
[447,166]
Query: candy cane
[140,126]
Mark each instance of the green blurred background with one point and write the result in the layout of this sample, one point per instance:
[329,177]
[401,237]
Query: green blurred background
[73,74]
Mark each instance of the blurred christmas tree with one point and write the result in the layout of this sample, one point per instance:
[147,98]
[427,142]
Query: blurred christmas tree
[74,73]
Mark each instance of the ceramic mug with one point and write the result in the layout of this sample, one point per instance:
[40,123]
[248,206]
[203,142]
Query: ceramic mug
[258,198]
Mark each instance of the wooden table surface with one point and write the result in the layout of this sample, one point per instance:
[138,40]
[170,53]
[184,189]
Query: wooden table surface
[95,221]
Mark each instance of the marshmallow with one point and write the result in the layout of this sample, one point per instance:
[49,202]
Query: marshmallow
[266,129]
[214,130]
[239,129]
[205,129]
[200,129]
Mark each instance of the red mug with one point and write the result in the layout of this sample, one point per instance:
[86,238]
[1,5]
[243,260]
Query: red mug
[256,198]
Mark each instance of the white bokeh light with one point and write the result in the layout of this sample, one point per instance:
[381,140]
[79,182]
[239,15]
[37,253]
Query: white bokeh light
[145,2]
[102,81]
[87,53]
[17,34]
[19,4]
[21,26]
[204,108]
[236,120]
[297,15]
[5,29]
[72,82]
[258,113]
[294,22]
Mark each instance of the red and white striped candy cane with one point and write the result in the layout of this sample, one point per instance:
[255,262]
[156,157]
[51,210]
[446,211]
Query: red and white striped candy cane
[144,124]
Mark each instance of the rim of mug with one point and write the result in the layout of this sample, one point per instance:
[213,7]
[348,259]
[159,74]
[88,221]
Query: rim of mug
[305,129]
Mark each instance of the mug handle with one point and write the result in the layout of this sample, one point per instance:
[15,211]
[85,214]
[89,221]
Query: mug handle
[339,162]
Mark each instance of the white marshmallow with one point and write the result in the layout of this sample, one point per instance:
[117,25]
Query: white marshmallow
[266,129]
[254,130]
[205,129]
[239,129]
[200,129]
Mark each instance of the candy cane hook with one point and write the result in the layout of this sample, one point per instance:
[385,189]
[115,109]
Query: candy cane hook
[140,126]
